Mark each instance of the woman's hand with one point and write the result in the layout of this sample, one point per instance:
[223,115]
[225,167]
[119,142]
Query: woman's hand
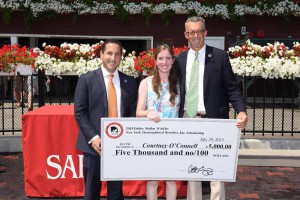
[151,114]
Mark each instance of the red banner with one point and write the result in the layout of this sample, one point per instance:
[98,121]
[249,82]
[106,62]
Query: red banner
[53,165]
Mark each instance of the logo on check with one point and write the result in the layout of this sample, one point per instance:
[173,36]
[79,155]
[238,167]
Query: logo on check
[114,130]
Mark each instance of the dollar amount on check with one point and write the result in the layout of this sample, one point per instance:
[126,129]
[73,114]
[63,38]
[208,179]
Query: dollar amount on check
[173,149]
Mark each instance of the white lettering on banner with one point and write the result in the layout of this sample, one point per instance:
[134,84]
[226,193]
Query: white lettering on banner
[54,165]
[71,167]
[54,162]
[80,166]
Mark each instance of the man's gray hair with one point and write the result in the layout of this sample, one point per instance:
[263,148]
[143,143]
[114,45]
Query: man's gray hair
[195,19]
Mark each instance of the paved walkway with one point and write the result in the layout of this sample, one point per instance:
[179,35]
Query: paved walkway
[267,183]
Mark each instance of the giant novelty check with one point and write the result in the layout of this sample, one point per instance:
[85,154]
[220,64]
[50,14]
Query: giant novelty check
[173,149]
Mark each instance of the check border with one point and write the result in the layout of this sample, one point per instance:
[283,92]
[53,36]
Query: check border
[106,156]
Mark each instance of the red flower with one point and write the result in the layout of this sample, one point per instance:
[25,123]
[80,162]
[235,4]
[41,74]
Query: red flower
[53,51]
[145,61]
[13,54]
[281,49]
[265,52]
[96,50]
[296,49]
[66,53]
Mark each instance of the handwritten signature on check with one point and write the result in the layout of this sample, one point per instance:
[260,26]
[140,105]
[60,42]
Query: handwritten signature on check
[205,171]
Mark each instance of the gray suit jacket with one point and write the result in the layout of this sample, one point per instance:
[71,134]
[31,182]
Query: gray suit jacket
[219,84]
[90,104]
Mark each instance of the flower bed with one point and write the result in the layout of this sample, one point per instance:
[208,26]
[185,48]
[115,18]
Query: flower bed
[77,58]
[270,61]
[123,9]
[84,58]
[11,56]
[69,58]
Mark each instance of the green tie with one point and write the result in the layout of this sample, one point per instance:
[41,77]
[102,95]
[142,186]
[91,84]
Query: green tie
[192,98]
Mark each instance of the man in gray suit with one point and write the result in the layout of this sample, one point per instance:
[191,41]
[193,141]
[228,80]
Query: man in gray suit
[91,104]
[207,86]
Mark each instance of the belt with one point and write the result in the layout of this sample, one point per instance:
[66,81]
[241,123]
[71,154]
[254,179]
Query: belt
[201,115]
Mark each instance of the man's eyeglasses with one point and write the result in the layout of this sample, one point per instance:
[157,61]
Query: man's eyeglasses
[192,33]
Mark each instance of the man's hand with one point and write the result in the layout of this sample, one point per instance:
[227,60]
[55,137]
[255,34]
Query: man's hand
[242,120]
[96,144]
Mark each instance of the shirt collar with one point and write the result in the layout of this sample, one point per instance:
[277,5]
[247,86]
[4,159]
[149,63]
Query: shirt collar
[201,51]
[106,73]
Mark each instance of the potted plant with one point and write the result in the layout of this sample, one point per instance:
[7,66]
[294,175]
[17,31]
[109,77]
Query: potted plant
[270,61]
[69,59]
[16,60]
[75,59]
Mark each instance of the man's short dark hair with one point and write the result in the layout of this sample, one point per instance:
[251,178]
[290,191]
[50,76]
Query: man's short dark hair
[111,41]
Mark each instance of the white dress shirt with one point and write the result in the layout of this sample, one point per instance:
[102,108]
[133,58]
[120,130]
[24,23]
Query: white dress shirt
[116,82]
[189,64]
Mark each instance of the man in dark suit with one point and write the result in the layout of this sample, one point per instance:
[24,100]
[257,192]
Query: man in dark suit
[208,85]
[91,104]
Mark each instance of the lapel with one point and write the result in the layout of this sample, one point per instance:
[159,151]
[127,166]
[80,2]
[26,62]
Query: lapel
[100,89]
[124,85]
[183,69]
[209,61]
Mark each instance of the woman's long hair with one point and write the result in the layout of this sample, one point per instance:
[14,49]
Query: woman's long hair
[173,80]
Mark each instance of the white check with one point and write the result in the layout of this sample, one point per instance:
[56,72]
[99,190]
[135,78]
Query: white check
[173,149]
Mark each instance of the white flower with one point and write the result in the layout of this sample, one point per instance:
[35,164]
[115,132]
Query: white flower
[81,63]
[283,7]
[280,62]
[127,66]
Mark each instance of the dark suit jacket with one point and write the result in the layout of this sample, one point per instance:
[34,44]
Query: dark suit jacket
[91,104]
[219,85]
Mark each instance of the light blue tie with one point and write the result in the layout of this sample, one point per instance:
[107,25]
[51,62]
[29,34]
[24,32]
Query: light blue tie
[192,98]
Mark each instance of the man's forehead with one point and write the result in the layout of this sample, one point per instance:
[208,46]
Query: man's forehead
[112,47]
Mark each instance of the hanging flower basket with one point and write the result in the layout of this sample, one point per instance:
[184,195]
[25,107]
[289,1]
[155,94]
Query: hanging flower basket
[145,73]
[6,72]
[48,72]
[270,61]
[70,73]
[2,73]
[16,60]
[75,60]
[23,69]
